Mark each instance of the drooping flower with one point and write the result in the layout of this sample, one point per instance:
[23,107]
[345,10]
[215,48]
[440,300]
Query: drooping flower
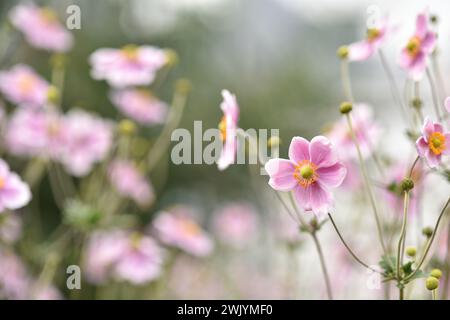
[366,130]
[32,132]
[228,127]
[375,38]
[414,56]
[311,171]
[130,66]
[88,141]
[433,143]
[177,228]
[236,224]
[14,193]
[122,255]
[41,27]
[140,105]
[23,86]
[129,182]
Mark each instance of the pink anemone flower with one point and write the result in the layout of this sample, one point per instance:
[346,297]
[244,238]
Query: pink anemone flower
[179,229]
[375,37]
[140,105]
[433,143]
[23,86]
[311,171]
[129,66]
[41,27]
[14,193]
[414,56]
[228,127]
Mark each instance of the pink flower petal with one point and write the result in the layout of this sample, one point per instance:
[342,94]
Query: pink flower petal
[281,174]
[360,51]
[427,129]
[422,146]
[428,42]
[421,25]
[447,104]
[321,152]
[321,200]
[333,176]
[418,66]
[432,159]
[303,197]
[446,151]
[299,149]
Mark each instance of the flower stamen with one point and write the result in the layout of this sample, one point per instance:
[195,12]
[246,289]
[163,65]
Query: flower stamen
[306,173]
[223,128]
[413,46]
[437,143]
[373,34]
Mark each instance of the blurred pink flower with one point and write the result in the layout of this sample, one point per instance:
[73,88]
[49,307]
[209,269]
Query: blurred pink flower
[129,182]
[23,86]
[177,228]
[311,171]
[129,66]
[10,227]
[14,282]
[433,143]
[366,130]
[414,56]
[228,126]
[14,193]
[375,38]
[141,261]
[88,141]
[47,293]
[122,255]
[32,132]
[41,27]
[236,224]
[140,105]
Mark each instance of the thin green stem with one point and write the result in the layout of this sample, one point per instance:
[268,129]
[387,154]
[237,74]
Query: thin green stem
[323,265]
[348,248]
[401,240]
[346,83]
[367,183]
[430,242]
[434,94]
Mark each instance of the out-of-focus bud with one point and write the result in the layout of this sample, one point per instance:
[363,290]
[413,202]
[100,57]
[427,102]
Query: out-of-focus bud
[411,251]
[274,142]
[171,57]
[345,107]
[432,283]
[436,273]
[53,95]
[416,103]
[58,60]
[427,232]
[342,52]
[127,127]
[183,86]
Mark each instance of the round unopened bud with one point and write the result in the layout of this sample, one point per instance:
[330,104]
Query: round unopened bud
[342,52]
[411,251]
[53,94]
[345,107]
[274,142]
[58,60]
[407,184]
[427,232]
[432,283]
[171,57]
[436,273]
[127,127]
[434,19]
[416,103]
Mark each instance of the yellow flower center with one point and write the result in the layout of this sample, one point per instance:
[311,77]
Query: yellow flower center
[48,15]
[373,34]
[26,83]
[190,228]
[306,173]
[130,52]
[223,128]
[436,142]
[2,182]
[413,46]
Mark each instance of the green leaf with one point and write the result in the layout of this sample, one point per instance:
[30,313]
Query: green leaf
[388,263]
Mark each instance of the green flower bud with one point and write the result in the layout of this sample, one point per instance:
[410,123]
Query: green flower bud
[53,95]
[427,232]
[407,184]
[171,57]
[436,273]
[434,19]
[345,107]
[411,251]
[127,127]
[416,103]
[342,52]
[432,283]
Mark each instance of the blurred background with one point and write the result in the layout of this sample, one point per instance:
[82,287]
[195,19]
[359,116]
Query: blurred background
[277,56]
